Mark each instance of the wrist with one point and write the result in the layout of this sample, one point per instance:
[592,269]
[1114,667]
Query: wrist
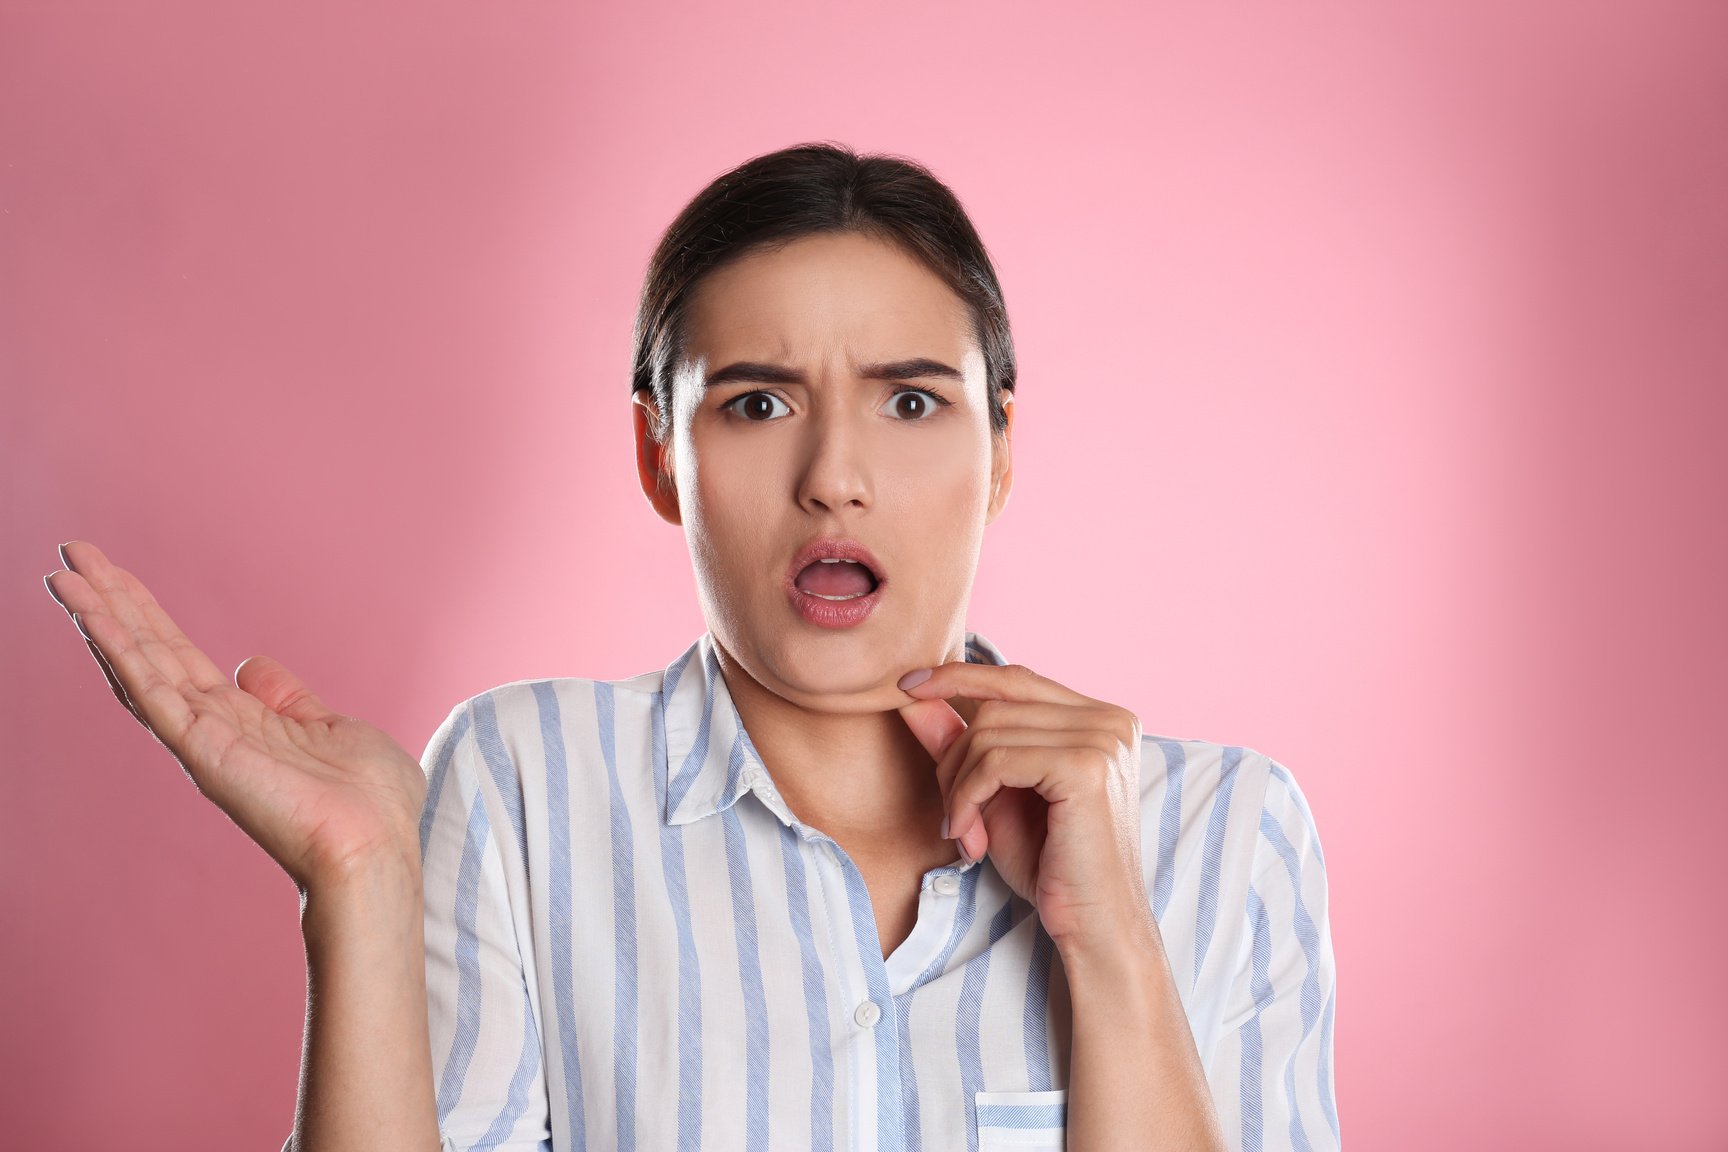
[1122,958]
[376,890]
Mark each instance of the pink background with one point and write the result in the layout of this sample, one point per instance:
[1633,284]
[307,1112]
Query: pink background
[1372,413]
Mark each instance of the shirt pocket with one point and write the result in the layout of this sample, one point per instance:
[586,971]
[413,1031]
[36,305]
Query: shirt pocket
[1016,1121]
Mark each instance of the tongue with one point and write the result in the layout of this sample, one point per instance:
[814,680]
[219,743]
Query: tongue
[843,579]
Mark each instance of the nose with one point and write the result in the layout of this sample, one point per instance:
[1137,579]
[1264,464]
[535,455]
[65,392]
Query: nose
[836,473]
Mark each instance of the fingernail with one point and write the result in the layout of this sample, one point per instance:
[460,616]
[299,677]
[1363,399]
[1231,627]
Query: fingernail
[78,619]
[964,854]
[47,582]
[914,678]
[944,827]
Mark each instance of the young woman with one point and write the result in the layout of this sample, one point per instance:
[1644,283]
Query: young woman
[837,877]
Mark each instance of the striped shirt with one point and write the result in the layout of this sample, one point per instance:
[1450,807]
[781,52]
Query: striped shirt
[633,943]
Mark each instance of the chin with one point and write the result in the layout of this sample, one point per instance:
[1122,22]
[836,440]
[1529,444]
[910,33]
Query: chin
[831,666]
[826,670]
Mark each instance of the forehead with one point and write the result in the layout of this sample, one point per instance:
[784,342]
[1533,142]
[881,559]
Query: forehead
[834,294]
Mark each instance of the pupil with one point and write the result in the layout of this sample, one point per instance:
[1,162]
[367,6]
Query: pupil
[918,401]
[758,405]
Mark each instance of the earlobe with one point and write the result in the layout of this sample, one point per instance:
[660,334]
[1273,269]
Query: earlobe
[1002,463]
[999,493]
[1002,482]
[654,460]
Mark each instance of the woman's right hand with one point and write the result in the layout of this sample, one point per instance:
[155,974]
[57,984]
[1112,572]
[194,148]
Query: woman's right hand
[324,794]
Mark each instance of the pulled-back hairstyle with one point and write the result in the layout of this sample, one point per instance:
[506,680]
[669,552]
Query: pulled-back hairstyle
[801,191]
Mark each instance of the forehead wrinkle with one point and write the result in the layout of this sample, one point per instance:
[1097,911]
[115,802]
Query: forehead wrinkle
[867,339]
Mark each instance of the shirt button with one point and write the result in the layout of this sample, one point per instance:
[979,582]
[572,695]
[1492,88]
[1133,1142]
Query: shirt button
[867,1014]
[947,884]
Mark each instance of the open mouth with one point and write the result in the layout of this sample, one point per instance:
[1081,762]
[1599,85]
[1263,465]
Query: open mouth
[835,569]
[835,582]
[834,578]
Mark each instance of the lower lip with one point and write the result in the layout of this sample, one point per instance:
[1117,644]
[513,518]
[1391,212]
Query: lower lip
[836,613]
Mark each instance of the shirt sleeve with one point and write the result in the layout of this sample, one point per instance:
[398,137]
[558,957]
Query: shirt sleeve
[1279,1011]
[487,1059]
[486,1054]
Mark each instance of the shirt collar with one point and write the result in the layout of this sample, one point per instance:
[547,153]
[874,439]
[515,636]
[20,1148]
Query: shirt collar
[709,761]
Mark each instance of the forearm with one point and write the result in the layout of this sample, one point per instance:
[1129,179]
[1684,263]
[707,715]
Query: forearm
[366,1071]
[1135,1081]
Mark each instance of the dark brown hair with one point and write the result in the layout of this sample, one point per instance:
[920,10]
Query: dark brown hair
[801,191]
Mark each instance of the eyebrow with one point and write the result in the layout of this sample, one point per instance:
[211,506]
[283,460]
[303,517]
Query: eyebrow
[756,372]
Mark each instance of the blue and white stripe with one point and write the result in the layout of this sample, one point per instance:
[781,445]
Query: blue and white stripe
[633,943]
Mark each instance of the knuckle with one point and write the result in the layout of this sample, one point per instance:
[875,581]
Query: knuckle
[985,764]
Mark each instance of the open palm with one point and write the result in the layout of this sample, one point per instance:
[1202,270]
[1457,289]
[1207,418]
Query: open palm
[320,792]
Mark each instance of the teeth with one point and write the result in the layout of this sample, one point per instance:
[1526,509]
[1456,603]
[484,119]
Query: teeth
[854,596]
[838,560]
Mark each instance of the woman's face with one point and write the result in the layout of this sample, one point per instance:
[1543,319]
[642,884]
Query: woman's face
[831,389]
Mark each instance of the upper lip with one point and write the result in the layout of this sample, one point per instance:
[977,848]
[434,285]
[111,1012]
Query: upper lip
[834,548]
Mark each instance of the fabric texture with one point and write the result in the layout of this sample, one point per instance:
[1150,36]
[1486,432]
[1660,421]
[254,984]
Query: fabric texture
[633,943]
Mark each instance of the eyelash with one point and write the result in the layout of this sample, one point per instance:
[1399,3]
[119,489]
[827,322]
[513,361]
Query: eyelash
[941,402]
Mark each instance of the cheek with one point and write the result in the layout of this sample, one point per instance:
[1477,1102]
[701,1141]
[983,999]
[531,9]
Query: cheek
[938,483]
[730,521]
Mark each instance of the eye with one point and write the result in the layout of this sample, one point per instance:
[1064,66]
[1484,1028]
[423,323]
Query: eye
[756,407]
[922,410]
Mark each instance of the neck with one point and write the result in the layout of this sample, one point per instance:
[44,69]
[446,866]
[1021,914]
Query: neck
[862,778]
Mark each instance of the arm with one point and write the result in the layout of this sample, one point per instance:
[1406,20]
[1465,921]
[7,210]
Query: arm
[420,1017]
[1274,1059]
[1135,1077]
[366,1070]
[489,1065]
[335,802]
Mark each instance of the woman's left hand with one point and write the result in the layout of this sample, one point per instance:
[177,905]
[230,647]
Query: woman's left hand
[1047,782]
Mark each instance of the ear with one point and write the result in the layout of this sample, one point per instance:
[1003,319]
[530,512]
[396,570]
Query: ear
[653,459]
[1001,462]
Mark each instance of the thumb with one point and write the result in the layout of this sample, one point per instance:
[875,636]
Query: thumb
[279,689]
[936,724]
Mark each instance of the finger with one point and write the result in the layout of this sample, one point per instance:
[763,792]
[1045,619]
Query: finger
[155,701]
[935,723]
[89,562]
[113,681]
[280,690]
[978,741]
[95,590]
[1010,722]
[1056,773]
[72,592]
[993,682]
[1045,717]
[199,667]
[95,652]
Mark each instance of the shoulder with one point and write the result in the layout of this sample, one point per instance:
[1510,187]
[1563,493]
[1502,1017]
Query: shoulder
[518,703]
[516,747]
[520,714]
[1184,781]
[1213,815]
[1196,774]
